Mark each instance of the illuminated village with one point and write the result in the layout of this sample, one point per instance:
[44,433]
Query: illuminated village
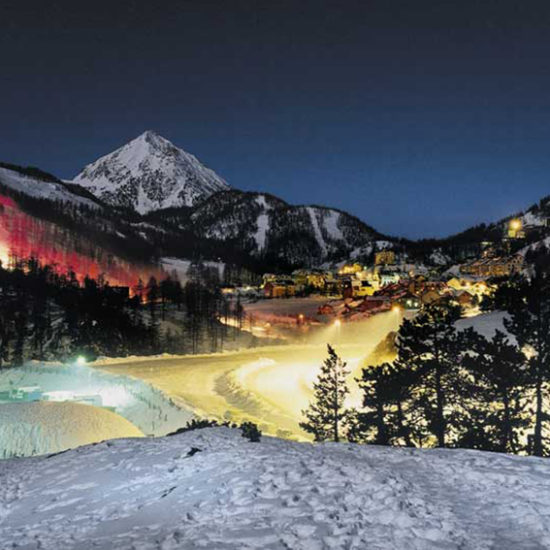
[354,291]
[274,275]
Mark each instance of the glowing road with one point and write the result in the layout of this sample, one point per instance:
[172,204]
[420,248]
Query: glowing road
[267,385]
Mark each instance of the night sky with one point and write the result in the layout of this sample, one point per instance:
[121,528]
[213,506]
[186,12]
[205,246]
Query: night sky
[421,118]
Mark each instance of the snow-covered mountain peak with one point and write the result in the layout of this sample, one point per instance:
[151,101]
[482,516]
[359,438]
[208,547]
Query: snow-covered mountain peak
[153,141]
[149,173]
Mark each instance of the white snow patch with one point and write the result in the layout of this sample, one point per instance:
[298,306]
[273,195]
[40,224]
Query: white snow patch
[262,222]
[330,223]
[317,229]
[532,219]
[543,242]
[438,258]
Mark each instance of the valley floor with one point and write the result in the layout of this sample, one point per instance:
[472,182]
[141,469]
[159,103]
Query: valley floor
[269,386]
[153,494]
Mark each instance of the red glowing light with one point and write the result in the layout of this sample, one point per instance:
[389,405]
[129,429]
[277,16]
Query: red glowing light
[23,236]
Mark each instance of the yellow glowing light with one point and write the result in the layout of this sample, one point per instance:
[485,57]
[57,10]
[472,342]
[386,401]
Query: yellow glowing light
[4,255]
[81,360]
[337,323]
[515,224]
[396,308]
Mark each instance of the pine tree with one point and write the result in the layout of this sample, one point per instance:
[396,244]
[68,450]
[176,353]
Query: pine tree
[152,298]
[427,347]
[6,333]
[497,391]
[372,423]
[327,417]
[386,390]
[530,323]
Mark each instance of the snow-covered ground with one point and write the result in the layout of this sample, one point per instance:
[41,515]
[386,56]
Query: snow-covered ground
[43,427]
[144,406]
[153,494]
[486,324]
[268,385]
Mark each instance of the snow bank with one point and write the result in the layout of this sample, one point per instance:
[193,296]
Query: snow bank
[39,428]
[147,494]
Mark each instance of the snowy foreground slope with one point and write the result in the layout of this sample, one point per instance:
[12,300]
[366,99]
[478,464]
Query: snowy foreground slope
[144,494]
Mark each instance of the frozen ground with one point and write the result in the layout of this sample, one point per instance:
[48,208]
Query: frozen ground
[39,428]
[150,494]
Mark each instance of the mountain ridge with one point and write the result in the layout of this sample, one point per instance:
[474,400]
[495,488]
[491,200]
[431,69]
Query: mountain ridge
[259,228]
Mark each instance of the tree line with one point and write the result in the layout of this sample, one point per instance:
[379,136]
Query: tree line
[451,388]
[46,315]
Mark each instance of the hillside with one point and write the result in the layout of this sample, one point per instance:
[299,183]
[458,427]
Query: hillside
[214,489]
[535,228]
[63,224]
[266,227]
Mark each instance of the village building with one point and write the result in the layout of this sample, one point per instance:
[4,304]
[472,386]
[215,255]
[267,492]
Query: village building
[493,267]
[464,298]
[430,297]
[350,269]
[333,287]
[372,304]
[410,301]
[310,278]
[269,277]
[354,287]
[388,277]
[384,257]
[280,288]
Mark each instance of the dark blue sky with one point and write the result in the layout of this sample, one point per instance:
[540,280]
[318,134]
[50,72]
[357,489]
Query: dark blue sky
[421,118]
